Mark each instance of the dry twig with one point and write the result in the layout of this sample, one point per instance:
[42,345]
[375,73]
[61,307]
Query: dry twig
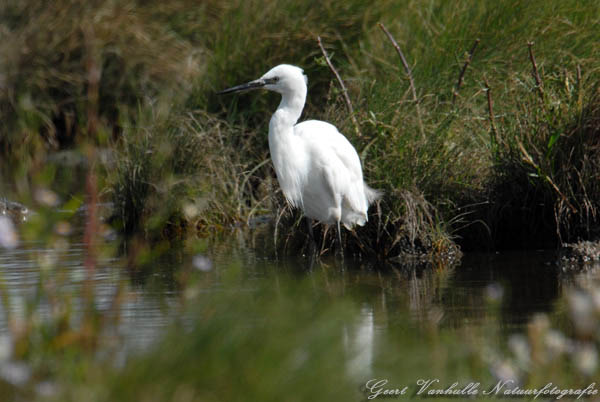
[464,70]
[344,90]
[490,103]
[408,73]
[536,74]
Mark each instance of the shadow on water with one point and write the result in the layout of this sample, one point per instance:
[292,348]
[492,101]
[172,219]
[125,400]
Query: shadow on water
[528,282]
[525,283]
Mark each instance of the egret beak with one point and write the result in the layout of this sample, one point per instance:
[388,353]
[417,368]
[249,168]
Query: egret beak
[244,87]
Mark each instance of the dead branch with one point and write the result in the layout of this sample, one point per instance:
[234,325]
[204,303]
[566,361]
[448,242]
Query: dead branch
[464,70]
[490,103]
[536,74]
[408,73]
[344,90]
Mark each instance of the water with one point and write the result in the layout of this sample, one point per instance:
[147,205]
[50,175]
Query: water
[497,292]
[525,283]
[30,267]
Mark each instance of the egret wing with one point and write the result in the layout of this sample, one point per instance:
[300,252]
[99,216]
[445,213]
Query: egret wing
[332,144]
[327,136]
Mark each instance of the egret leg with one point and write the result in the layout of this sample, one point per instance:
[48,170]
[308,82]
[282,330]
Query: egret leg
[313,242]
[339,231]
[309,226]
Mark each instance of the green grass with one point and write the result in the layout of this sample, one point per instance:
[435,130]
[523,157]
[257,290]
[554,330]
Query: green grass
[189,159]
[73,72]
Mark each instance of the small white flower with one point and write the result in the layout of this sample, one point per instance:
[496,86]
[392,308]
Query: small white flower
[556,343]
[581,306]
[521,350]
[505,371]
[15,373]
[202,263]
[46,389]
[579,303]
[46,197]
[586,359]
[8,234]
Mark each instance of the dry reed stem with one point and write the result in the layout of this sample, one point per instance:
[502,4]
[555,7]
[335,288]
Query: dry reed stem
[490,103]
[579,91]
[93,74]
[464,70]
[408,73]
[536,74]
[344,89]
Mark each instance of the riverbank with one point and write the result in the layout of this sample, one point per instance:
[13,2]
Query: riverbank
[496,149]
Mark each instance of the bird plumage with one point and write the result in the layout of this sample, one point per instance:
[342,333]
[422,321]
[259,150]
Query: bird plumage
[317,168]
[331,187]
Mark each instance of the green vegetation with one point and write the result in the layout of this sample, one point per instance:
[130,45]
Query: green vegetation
[139,78]
[112,104]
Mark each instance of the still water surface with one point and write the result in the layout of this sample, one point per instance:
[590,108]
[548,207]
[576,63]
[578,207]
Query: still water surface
[454,298]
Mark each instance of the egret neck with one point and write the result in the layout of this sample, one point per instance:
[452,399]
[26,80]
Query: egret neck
[283,145]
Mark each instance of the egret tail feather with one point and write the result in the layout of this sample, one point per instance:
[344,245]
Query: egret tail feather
[372,194]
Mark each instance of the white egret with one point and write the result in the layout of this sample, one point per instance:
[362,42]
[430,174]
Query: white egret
[317,168]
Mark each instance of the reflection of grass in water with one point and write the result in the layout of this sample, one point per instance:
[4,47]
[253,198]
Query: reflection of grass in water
[285,339]
[278,341]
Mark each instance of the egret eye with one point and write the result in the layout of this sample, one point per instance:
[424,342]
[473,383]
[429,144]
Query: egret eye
[275,79]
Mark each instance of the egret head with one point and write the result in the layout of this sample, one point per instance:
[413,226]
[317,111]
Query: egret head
[283,79]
